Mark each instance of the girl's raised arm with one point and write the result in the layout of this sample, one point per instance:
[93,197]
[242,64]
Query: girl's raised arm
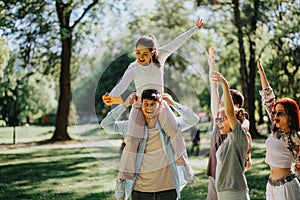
[214,94]
[263,78]
[166,50]
[228,103]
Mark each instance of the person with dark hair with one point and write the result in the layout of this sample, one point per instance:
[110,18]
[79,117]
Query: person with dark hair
[156,173]
[230,179]
[237,97]
[217,138]
[283,144]
[147,73]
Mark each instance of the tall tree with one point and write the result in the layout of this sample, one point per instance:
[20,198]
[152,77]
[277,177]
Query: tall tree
[247,76]
[241,19]
[64,11]
[281,52]
[40,36]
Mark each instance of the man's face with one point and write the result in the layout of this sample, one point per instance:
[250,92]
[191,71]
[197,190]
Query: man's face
[150,108]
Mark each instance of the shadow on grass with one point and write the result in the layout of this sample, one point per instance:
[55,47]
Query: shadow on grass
[55,174]
[41,170]
[98,133]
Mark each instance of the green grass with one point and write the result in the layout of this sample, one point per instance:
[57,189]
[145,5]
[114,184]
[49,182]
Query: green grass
[72,171]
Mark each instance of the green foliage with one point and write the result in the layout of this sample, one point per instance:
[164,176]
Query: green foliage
[282,51]
[34,25]
[204,101]
[20,91]
[42,33]
[4,54]
[277,30]
[109,78]
[27,22]
[269,30]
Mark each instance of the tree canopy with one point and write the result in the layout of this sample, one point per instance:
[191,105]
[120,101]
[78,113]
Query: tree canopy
[50,39]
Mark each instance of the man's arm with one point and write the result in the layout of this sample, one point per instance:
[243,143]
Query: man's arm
[112,123]
[187,118]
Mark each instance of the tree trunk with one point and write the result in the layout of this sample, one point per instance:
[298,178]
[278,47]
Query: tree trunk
[251,90]
[61,125]
[252,71]
[243,70]
[260,114]
[247,81]
[64,13]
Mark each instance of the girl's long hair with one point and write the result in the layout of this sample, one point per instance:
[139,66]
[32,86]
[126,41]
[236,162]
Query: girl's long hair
[241,115]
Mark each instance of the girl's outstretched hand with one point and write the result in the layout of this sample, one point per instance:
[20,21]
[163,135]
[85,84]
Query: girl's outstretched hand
[199,23]
[109,100]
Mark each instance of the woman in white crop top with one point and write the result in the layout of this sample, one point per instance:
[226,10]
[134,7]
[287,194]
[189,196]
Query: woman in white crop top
[147,73]
[283,145]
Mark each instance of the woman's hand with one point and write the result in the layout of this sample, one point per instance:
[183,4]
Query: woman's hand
[263,78]
[199,23]
[260,68]
[109,100]
[217,77]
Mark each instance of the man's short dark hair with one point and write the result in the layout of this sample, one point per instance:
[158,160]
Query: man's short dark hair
[151,94]
[237,97]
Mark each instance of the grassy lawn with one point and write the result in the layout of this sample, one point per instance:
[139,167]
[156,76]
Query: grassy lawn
[32,169]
